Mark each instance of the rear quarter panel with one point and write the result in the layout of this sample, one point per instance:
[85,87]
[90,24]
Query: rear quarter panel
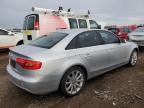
[56,66]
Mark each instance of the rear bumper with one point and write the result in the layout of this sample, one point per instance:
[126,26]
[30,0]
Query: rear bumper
[32,85]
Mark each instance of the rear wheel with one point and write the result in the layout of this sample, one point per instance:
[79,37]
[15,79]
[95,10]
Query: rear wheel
[133,58]
[73,81]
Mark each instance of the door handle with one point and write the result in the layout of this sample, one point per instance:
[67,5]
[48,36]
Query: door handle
[88,54]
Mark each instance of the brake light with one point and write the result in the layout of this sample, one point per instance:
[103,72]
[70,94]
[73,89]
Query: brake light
[28,64]
[36,25]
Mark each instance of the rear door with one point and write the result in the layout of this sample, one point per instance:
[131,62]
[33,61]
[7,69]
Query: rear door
[92,51]
[6,40]
[30,27]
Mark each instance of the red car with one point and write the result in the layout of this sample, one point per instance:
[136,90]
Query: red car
[133,27]
[121,32]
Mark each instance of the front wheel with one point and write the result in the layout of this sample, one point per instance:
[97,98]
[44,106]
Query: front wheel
[133,58]
[73,81]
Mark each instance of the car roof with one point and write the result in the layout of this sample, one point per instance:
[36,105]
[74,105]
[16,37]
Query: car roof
[76,31]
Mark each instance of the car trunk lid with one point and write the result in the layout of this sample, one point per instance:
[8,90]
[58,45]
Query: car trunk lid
[25,52]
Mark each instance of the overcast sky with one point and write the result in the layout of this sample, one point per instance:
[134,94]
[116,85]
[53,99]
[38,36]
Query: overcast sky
[12,12]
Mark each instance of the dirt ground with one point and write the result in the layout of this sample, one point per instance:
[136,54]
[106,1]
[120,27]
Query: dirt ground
[121,88]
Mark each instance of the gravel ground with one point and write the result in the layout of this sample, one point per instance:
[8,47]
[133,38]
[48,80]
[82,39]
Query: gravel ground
[120,88]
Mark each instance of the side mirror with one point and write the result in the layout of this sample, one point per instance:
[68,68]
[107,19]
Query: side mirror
[11,34]
[123,40]
[99,26]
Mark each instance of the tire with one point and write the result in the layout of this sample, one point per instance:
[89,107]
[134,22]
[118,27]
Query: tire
[133,58]
[141,48]
[73,81]
[20,43]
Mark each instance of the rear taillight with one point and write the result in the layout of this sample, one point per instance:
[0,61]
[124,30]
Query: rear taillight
[36,25]
[28,64]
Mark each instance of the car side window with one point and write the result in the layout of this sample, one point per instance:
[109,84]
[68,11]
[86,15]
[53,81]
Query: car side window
[114,30]
[82,23]
[93,24]
[73,23]
[73,44]
[108,37]
[2,32]
[87,39]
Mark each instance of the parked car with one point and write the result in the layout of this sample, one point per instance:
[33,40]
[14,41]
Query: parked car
[137,36]
[9,39]
[141,25]
[121,32]
[132,27]
[66,59]
[44,21]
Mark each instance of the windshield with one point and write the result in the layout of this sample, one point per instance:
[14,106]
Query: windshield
[139,30]
[48,41]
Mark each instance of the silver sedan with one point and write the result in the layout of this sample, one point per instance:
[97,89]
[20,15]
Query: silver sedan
[66,59]
[137,36]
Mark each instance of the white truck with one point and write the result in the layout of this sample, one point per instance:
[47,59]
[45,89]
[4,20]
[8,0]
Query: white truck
[44,21]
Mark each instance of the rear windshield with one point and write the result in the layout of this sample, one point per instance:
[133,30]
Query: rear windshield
[29,22]
[48,41]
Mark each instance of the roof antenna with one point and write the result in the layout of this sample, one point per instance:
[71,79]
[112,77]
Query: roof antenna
[69,10]
[60,8]
[88,12]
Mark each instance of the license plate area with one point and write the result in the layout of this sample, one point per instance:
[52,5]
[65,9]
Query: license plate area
[29,37]
[13,63]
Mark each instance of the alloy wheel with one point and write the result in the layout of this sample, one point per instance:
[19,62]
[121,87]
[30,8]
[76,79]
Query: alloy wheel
[134,58]
[74,82]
